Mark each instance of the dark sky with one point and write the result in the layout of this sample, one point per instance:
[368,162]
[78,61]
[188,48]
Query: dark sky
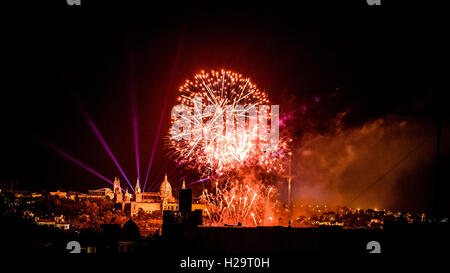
[380,58]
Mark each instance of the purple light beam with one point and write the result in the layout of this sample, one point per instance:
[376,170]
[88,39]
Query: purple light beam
[159,175]
[166,98]
[101,139]
[202,180]
[134,118]
[136,145]
[155,143]
[156,185]
[73,159]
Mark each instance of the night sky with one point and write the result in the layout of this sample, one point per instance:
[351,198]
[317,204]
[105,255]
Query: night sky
[374,60]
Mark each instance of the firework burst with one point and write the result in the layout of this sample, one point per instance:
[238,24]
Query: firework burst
[220,134]
[221,128]
[250,203]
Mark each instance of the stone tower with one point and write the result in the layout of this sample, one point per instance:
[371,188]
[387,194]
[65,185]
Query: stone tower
[127,197]
[138,192]
[118,195]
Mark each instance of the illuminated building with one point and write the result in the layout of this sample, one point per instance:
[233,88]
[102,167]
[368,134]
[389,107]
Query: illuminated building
[101,193]
[118,196]
[149,201]
[59,194]
[58,222]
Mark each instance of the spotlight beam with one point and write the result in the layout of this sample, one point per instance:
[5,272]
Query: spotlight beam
[158,176]
[156,185]
[73,159]
[155,143]
[166,98]
[134,116]
[203,180]
[99,136]
[136,144]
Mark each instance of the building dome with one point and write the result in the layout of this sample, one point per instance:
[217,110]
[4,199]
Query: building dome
[165,188]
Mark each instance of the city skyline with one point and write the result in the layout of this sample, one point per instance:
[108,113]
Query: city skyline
[363,118]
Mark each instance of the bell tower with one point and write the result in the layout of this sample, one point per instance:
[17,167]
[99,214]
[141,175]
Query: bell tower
[118,195]
[138,192]
[127,197]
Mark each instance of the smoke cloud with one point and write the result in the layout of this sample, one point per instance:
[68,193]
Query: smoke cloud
[384,163]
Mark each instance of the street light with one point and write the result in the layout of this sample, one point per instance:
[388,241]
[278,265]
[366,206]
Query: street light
[289,177]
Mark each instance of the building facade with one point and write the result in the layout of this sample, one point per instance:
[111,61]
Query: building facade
[148,201]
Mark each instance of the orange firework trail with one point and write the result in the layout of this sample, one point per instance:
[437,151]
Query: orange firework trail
[253,204]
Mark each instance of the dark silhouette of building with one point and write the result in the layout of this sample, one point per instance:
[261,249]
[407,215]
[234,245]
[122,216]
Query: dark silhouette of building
[130,231]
